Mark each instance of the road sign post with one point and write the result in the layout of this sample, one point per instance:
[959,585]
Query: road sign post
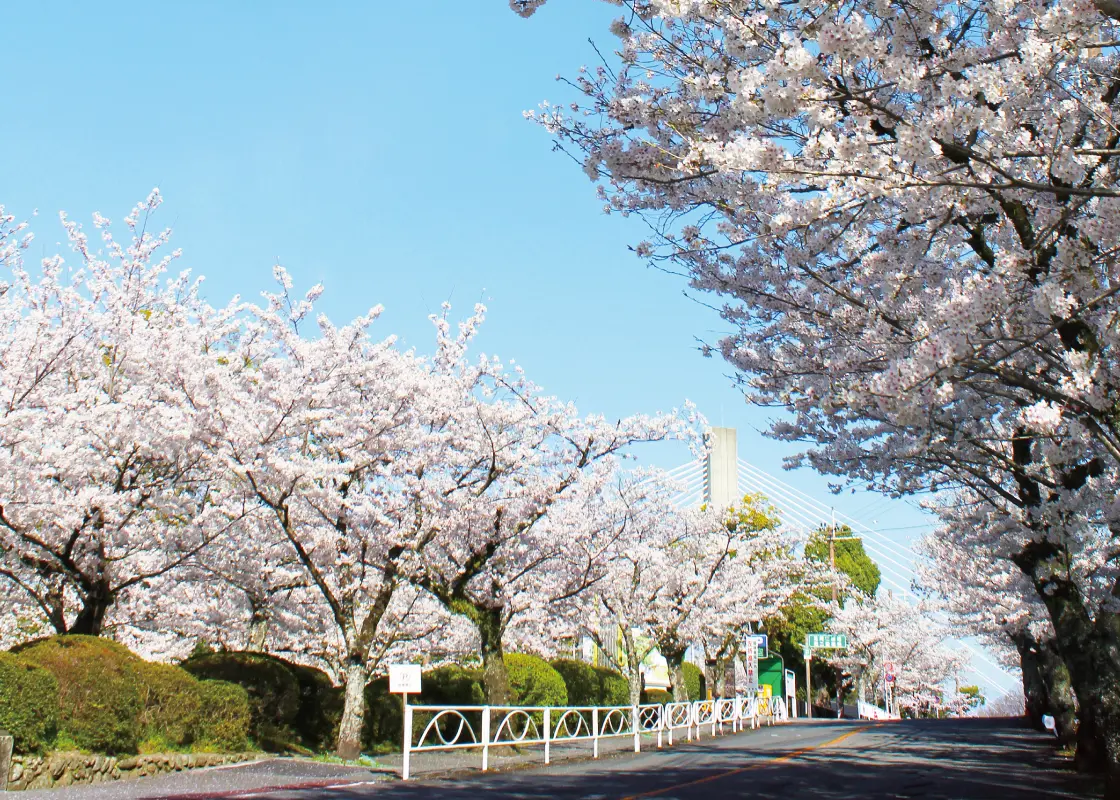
[818,641]
[404,679]
[808,653]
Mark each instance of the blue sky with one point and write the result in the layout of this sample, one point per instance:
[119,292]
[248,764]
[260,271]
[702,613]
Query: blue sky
[378,148]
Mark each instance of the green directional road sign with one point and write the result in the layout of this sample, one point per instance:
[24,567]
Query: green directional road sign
[826,641]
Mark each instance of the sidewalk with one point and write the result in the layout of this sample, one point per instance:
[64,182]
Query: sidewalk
[273,774]
[216,782]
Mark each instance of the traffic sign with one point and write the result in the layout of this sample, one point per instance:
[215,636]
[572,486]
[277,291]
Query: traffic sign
[762,641]
[404,678]
[826,641]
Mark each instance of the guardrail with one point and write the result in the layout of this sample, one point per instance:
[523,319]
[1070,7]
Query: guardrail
[486,727]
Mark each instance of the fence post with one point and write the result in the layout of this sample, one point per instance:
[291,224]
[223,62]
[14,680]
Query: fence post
[547,732]
[636,726]
[407,737]
[660,723]
[595,732]
[485,737]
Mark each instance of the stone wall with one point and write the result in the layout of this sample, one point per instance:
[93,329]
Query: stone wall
[67,769]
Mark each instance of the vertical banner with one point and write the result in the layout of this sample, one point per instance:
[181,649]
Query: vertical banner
[750,663]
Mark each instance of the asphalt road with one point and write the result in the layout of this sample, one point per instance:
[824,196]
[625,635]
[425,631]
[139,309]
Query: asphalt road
[957,759]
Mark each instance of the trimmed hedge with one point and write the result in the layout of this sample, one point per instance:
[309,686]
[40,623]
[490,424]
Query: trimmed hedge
[320,707]
[179,710]
[28,703]
[534,682]
[291,706]
[170,706]
[659,696]
[693,680]
[225,716]
[590,685]
[98,690]
[109,700]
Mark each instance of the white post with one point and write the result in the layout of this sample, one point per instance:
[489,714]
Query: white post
[660,723]
[808,685]
[485,738]
[407,735]
[595,733]
[670,729]
[637,727]
[547,732]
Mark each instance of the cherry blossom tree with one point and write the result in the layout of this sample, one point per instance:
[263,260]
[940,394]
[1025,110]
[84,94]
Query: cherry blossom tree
[319,434]
[489,541]
[106,485]
[886,631]
[988,596]
[911,215]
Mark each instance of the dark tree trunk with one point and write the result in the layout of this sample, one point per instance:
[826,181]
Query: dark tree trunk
[1034,690]
[1059,692]
[495,676]
[1090,655]
[674,657]
[95,605]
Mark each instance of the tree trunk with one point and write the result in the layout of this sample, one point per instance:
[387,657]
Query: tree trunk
[495,676]
[1034,689]
[95,605]
[258,631]
[353,709]
[1059,692]
[1088,651]
[633,667]
[675,660]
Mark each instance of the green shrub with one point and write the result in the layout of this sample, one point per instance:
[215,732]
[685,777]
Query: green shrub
[320,707]
[170,706]
[28,703]
[588,685]
[693,680]
[98,690]
[580,680]
[659,696]
[292,706]
[533,682]
[614,689]
[225,716]
[272,689]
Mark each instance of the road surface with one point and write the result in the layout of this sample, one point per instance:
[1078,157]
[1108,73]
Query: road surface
[972,759]
[959,759]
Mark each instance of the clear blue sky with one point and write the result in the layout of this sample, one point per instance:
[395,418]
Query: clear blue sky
[378,148]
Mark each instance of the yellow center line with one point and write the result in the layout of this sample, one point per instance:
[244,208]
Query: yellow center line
[777,760]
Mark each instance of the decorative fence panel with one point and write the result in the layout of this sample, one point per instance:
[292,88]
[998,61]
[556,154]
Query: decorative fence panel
[445,728]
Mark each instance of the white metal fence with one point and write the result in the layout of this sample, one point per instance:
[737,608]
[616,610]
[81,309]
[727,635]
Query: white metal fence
[443,728]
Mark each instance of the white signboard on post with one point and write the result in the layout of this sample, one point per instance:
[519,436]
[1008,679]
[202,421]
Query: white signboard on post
[404,678]
[750,664]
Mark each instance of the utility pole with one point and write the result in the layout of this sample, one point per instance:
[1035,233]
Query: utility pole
[832,554]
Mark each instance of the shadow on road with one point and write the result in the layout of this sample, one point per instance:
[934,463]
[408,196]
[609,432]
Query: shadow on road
[958,759]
